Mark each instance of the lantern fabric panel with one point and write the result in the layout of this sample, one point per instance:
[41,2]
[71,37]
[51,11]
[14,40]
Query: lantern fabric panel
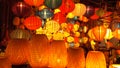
[95,59]
[16,51]
[4,62]
[76,58]
[38,51]
[57,54]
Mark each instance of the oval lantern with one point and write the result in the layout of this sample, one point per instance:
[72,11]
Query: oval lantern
[92,57]
[59,17]
[34,2]
[116,33]
[79,9]
[99,32]
[21,9]
[67,6]
[45,13]
[53,4]
[89,11]
[32,22]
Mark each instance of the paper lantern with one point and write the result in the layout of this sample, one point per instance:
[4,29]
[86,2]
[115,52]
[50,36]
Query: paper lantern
[59,17]
[94,16]
[53,4]
[4,62]
[45,13]
[16,51]
[99,32]
[21,9]
[35,3]
[76,58]
[57,54]
[67,6]
[79,9]
[90,34]
[116,33]
[32,22]
[94,56]
[20,34]
[38,51]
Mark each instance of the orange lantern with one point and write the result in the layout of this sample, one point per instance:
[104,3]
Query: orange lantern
[90,34]
[34,2]
[116,33]
[95,59]
[99,32]
[17,50]
[79,9]
[76,58]
[32,22]
[57,54]
[38,51]
[4,62]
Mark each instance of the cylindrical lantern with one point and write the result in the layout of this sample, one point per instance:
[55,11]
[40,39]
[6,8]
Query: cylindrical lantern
[17,50]
[57,54]
[38,51]
[32,22]
[99,32]
[76,58]
[95,59]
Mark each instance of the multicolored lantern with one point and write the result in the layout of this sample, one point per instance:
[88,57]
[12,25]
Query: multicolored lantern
[35,3]
[32,22]
[21,9]
[53,4]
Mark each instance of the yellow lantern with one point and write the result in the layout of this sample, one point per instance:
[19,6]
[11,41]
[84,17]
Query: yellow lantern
[116,33]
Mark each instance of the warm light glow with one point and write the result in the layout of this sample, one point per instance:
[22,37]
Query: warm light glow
[116,65]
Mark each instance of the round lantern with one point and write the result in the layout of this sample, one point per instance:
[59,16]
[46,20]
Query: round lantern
[45,13]
[20,34]
[32,22]
[116,33]
[52,4]
[95,59]
[67,6]
[21,9]
[59,17]
[89,11]
[57,54]
[99,32]
[17,51]
[38,51]
[79,9]
[34,2]
[76,58]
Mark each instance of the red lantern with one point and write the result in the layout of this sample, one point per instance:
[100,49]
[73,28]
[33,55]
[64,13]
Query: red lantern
[67,6]
[95,16]
[33,22]
[34,2]
[21,9]
[59,17]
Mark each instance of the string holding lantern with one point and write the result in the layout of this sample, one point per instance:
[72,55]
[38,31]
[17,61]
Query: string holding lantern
[21,9]
[32,22]
[35,3]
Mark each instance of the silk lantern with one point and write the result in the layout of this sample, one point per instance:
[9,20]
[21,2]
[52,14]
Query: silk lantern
[79,9]
[35,3]
[99,32]
[16,51]
[45,13]
[57,54]
[53,4]
[92,57]
[76,58]
[32,22]
[38,51]
[21,9]
[67,6]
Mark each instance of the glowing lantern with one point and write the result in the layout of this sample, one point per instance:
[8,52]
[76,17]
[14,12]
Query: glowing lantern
[76,58]
[99,32]
[21,9]
[57,54]
[33,22]
[94,56]
[116,33]
[79,9]
[4,62]
[34,2]
[109,34]
[38,51]
[16,51]
[94,16]
[52,4]
[91,35]
[16,21]
[67,6]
